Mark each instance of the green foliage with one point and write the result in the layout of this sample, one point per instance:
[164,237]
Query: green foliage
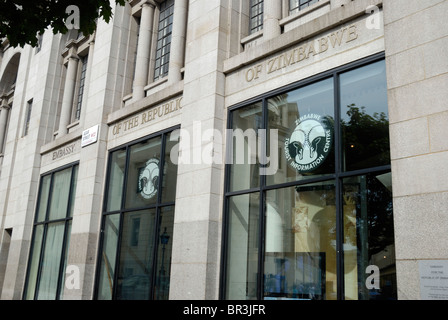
[366,138]
[22,20]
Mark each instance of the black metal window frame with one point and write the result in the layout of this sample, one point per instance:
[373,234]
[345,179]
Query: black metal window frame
[256,13]
[66,220]
[163,46]
[158,206]
[82,80]
[263,187]
[297,5]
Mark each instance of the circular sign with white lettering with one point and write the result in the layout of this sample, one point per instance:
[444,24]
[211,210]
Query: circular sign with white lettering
[310,143]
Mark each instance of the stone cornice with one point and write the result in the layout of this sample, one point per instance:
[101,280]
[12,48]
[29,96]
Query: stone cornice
[330,20]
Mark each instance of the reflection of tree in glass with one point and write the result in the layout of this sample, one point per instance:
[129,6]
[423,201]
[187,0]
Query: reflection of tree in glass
[366,138]
[380,215]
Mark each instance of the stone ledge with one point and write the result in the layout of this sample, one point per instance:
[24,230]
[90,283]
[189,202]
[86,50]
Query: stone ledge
[306,31]
[303,12]
[72,136]
[145,103]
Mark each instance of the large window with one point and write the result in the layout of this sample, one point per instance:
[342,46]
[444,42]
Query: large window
[138,220]
[165,31]
[51,236]
[81,89]
[256,15]
[319,226]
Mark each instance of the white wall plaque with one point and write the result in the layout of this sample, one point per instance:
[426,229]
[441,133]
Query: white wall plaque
[90,136]
[433,279]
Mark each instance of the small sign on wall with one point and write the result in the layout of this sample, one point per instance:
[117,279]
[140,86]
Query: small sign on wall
[433,279]
[90,136]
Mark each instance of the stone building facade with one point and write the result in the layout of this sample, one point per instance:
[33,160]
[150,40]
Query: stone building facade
[228,149]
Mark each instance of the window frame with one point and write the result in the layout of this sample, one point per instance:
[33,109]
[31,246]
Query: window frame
[46,222]
[158,72]
[299,6]
[254,27]
[81,45]
[80,87]
[157,206]
[338,176]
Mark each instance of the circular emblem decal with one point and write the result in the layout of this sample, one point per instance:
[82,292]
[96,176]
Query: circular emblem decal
[310,143]
[148,180]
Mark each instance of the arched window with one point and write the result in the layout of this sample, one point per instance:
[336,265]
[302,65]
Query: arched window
[7,89]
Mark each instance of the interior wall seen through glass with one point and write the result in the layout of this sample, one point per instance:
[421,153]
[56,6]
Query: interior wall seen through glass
[300,248]
[245,167]
[242,257]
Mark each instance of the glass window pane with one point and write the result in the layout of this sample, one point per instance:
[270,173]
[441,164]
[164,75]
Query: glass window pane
[170,167]
[43,198]
[75,183]
[162,285]
[59,194]
[34,263]
[293,4]
[51,261]
[108,256]
[164,36]
[143,273]
[136,261]
[243,247]
[45,270]
[116,178]
[369,238]
[143,174]
[296,5]
[364,117]
[304,119]
[62,285]
[256,15]
[300,258]
[244,172]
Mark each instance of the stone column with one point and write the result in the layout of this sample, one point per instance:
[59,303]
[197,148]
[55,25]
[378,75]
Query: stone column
[3,121]
[69,90]
[197,222]
[177,53]
[417,78]
[272,15]
[143,50]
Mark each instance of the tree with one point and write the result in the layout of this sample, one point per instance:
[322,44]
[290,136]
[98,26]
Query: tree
[22,20]
[366,138]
